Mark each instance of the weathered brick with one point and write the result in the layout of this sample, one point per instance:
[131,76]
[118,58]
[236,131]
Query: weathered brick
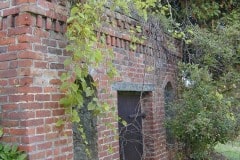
[49,24]
[58,112]
[57,97]
[10,123]
[58,27]
[27,148]
[32,139]
[118,43]
[13,64]
[21,131]
[8,57]
[55,81]
[4,4]
[43,129]
[42,97]
[41,64]
[113,41]
[50,89]
[30,55]
[26,89]
[44,146]
[40,48]
[3,98]
[62,44]
[54,51]
[39,32]
[25,81]
[22,98]
[51,105]
[25,19]
[7,40]
[10,11]
[48,42]
[3,33]
[44,3]
[30,106]
[8,73]
[13,81]
[64,28]
[39,21]
[51,120]
[19,30]
[1,22]
[25,63]
[18,2]
[3,82]
[108,40]
[43,113]
[4,65]
[56,66]
[10,139]
[28,38]
[25,71]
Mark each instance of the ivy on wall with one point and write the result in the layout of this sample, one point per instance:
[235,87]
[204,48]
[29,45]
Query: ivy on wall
[88,51]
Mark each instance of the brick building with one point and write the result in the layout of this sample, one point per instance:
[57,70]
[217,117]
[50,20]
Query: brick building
[32,51]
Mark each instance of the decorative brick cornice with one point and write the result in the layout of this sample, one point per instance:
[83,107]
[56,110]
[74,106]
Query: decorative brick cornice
[42,13]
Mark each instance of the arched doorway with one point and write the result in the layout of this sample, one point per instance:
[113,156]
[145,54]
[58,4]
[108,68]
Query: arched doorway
[88,123]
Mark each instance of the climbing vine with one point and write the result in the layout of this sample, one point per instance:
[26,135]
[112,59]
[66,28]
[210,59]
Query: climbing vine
[210,45]
[88,51]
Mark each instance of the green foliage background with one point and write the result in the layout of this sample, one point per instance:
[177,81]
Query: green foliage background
[207,109]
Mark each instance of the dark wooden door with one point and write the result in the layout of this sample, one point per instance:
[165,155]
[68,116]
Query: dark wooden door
[130,135]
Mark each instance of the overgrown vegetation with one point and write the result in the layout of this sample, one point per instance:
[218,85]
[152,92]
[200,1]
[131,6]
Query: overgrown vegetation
[207,110]
[88,52]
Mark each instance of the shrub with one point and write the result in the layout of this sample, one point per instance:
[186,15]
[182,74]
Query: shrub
[11,152]
[203,116]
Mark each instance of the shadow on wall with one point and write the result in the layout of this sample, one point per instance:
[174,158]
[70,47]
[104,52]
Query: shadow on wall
[168,98]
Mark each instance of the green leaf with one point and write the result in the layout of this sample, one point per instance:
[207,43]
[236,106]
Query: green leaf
[106,107]
[59,123]
[3,156]
[75,116]
[22,157]
[1,147]
[14,148]
[89,92]
[1,131]
[68,61]
[91,106]
[7,148]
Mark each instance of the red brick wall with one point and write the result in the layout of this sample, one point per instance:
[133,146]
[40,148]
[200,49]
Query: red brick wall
[31,59]
[32,52]
[150,65]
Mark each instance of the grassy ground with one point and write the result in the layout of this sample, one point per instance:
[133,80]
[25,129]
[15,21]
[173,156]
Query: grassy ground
[231,150]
